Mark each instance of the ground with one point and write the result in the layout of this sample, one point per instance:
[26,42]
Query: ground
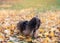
[49,31]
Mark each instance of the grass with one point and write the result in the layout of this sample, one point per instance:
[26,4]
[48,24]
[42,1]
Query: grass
[39,4]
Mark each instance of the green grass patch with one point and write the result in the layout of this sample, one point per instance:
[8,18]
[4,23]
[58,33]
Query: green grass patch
[39,4]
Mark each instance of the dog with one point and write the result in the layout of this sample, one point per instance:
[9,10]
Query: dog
[29,27]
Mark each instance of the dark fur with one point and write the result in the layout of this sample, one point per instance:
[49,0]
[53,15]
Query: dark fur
[34,24]
[29,26]
[22,25]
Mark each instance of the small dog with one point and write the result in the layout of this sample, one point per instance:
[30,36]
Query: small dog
[29,27]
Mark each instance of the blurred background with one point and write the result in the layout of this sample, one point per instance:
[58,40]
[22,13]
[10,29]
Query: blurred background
[39,4]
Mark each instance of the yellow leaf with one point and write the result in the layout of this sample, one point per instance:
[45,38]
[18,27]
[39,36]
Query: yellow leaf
[21,37]
[52,34]
[9,42]
[41,30]
[40,35]
[45,40]
[28,39]
[2,37]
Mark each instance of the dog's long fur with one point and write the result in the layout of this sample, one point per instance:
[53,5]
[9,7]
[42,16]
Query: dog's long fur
[22,25]
[26,27]
[34,24]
